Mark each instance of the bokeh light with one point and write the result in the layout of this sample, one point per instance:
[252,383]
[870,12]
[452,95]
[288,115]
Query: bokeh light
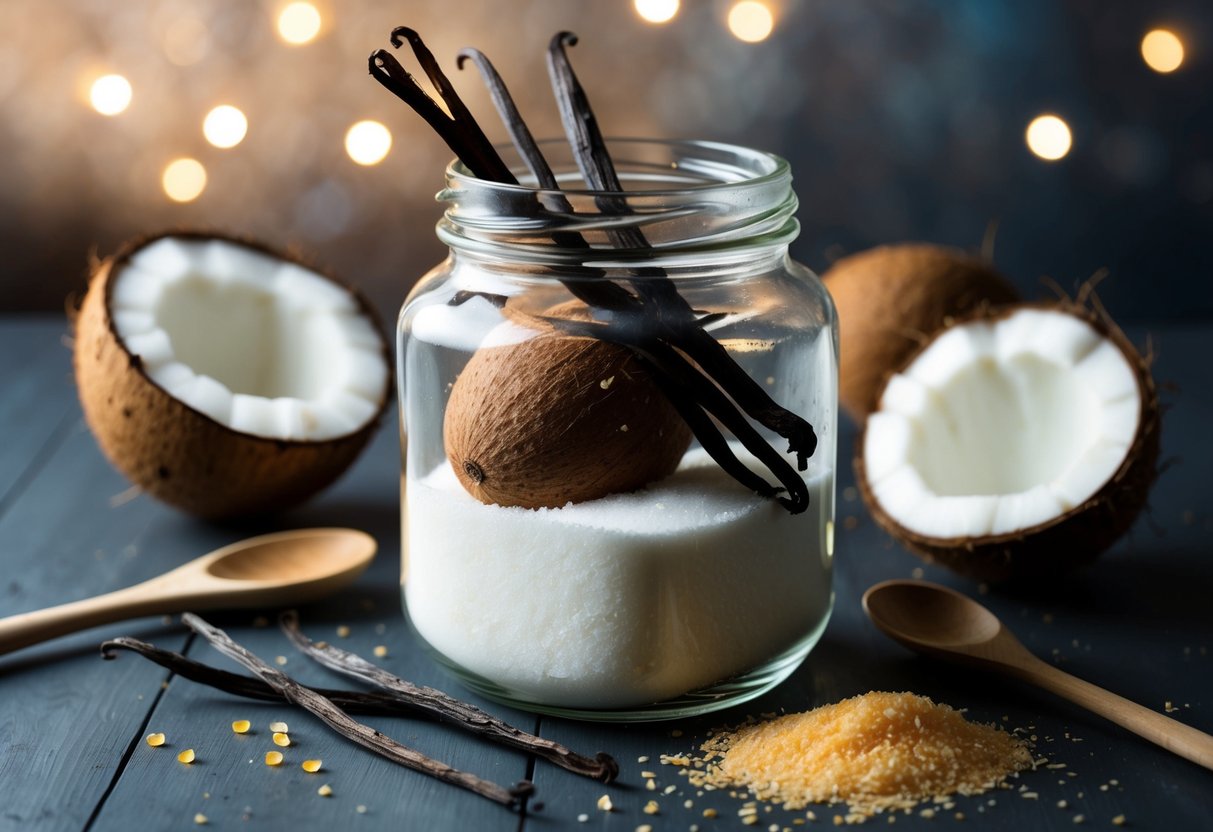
[1049,137]
[1162,50]
[751,21]
[368,142]
[225,126]
[656,11]
[184,179]
[299,23]
[110,94]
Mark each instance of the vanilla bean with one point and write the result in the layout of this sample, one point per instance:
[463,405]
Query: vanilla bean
[374,703]
[677,317]
[657,306]
[351,729]
[603,767]
[351,701]
[515,125]
[459,130]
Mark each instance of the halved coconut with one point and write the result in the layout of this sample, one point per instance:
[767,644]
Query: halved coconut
[225,378]
[1016,443]
[890,299]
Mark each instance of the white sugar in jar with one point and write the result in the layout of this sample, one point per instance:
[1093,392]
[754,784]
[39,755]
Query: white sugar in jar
[684,594]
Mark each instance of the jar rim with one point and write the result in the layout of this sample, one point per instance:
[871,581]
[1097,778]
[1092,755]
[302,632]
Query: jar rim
[765,168]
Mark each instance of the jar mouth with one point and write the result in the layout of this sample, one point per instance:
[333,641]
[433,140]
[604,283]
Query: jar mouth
[697,166]
[700,199]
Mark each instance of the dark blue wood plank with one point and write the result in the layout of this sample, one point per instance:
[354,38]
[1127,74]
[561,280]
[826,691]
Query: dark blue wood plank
[35,376]
[67,718]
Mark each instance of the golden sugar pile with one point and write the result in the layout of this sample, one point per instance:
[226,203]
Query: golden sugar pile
[876,751]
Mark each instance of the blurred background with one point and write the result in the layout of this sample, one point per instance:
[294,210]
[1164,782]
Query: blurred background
[1082,130]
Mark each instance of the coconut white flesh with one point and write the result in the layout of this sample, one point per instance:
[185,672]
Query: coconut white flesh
[259,344]
[1000,426]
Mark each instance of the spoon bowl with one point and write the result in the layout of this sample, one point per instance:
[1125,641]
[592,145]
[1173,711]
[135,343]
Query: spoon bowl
[914,612]
[940,622]
[270,570]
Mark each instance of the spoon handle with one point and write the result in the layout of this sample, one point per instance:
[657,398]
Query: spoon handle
[1174,736]
[28,628]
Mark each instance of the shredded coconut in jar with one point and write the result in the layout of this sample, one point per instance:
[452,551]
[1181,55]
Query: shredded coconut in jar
[874,752]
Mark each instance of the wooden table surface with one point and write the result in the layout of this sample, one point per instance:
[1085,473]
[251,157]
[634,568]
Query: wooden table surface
[72,754]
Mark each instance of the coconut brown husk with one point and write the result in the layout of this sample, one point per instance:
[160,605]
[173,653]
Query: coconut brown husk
[178,454]
[559,419]
[891,299]
[1072,539]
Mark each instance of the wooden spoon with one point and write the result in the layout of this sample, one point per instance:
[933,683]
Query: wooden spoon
[939,622]
[270,570]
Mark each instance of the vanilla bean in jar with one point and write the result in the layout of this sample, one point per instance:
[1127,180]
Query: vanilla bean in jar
[681,590]
[618,416]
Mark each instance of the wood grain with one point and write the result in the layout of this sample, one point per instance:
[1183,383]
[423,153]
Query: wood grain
[1139,623]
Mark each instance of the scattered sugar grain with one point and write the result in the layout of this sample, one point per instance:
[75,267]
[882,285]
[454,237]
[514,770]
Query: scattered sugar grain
[360,809]
[155,740]
[273,758]
[644,827]
[343,631]
[280,660]
[1119,820]
[652,807]
[187,756]
[583,818]
[241,726]
[281,739]
[380,651]
[200,819]
[279,728]
[604,803]
[876,752]
[325,791]
[311,766]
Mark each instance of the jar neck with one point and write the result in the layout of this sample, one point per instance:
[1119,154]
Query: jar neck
[689,208]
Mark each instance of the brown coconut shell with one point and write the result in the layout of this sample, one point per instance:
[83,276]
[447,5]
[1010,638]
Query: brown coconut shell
[178,454]
[559,419]
[1070,540]
[891,299]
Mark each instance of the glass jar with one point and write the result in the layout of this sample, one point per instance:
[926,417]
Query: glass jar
[691,592]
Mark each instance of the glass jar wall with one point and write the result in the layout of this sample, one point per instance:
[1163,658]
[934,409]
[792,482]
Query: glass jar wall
[570,399]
